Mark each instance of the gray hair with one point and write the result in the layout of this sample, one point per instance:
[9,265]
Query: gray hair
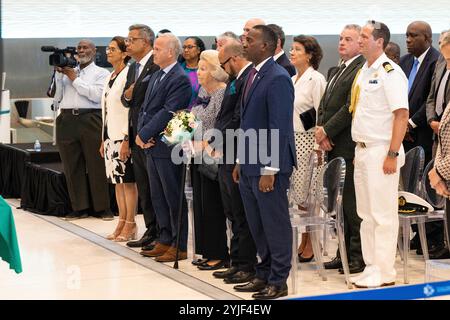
[174,43]
[228,34]
[211,57]
[355,27]
[145,31]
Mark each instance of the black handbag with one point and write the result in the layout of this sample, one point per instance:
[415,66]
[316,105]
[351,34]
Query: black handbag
[308,119]
[209,169]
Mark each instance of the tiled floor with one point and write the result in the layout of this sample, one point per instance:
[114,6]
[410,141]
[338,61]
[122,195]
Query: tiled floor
[59,264]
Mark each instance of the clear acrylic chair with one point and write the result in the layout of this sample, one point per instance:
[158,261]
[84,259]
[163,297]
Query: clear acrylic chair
[406,220]
[325,201]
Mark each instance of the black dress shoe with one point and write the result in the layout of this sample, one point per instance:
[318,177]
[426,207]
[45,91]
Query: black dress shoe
[254,285]
[218,265]
[149,247]
[240,277]
[142,242]
[225,274]
[336,263]
[106,215]
[444,253]
[271,292]
[75,215]
[302,259]
[354,268]
[198,262]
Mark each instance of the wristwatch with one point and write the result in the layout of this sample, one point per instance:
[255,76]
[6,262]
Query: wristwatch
[126,138]
[392,154]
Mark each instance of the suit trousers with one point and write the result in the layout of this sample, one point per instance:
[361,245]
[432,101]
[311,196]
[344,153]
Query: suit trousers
[242,245]
[352,222]
[268,218]
[165,184]
[143,185]
[79,138]
[377,206]
[209,218]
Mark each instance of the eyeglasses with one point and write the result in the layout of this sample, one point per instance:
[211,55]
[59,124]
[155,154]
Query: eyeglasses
[131,39]
[189,47]
[110,49]
[222,65]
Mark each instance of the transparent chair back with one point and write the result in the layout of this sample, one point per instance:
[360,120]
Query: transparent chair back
[431,196]
[411,172]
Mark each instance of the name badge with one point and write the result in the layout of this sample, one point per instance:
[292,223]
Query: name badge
[373,81]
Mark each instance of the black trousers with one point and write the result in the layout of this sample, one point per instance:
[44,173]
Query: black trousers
[79,139]
[352,222]
[242,245]
[143,185]
[209,218]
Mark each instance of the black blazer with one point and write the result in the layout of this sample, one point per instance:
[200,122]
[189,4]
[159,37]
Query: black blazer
[333,112]
[283,61]
[138,93]
[417,98]
[229,116]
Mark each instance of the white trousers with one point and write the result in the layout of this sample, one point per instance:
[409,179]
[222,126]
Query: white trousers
[377,206]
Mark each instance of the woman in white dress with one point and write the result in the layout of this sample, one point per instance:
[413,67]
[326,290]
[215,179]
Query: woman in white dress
[115,148]
[309,85]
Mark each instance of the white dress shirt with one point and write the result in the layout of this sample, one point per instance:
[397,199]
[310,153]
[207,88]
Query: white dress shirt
[309,89]
[85,92]
[143,62]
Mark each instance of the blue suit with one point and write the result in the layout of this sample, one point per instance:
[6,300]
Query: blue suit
[171,94]
[269,105]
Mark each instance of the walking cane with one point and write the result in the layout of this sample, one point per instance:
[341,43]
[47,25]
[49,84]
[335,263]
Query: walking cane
[180,203]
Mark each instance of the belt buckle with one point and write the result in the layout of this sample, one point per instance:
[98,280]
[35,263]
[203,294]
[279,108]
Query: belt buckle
[75,112]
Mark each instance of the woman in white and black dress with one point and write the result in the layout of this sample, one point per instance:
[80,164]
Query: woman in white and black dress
[309,85]
[115,148]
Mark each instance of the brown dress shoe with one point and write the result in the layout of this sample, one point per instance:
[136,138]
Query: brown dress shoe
[157,251]
[169,255]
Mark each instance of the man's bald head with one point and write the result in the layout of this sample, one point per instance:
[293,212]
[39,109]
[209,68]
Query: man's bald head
[418,37]
[251,23]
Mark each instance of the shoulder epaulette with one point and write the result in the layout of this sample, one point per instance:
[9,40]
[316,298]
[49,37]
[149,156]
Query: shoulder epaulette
[388,67]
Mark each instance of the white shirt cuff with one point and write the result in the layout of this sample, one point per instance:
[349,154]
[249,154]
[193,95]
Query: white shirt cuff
[412,123]
[269,171]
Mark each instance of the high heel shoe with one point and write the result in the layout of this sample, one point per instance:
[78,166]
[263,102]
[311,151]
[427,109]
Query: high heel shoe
[116,232]
[128,237]
[302,259]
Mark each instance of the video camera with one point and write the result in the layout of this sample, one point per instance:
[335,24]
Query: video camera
[61,57]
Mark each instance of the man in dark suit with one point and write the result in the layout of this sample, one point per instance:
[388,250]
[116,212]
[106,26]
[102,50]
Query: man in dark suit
[140,48]
[280,57]
[393,52]
[266,114]
[242,249]
[169,90]
[418,66]
[333,133]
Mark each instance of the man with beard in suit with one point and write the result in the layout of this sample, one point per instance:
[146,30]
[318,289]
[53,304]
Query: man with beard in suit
[333,134]
[140,48]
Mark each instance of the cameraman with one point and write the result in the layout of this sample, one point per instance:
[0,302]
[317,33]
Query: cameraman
[78,133]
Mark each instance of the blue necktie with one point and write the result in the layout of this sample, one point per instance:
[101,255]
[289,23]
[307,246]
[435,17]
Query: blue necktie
[412,74]
[136,73]
[157,81]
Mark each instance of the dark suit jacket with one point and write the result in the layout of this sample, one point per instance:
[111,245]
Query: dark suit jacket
[269,106]
[138,93]
[283,61]
[417,97]
[172,94]
[229,116]
[441,67]
[333,112]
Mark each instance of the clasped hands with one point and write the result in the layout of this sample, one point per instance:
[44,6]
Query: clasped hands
[438,184]
[322,139]
[145,145]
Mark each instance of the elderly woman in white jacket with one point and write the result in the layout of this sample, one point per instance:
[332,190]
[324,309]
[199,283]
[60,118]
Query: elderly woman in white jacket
[115,148]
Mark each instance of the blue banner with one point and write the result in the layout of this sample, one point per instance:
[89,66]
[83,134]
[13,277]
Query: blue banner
[407,292]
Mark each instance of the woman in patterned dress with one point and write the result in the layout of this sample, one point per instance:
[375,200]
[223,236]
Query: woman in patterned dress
[115,148]
[309,85]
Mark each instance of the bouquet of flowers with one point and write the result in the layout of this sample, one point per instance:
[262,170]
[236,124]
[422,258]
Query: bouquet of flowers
[180,129]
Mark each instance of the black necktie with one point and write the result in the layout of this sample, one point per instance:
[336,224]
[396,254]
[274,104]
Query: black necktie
[336,77]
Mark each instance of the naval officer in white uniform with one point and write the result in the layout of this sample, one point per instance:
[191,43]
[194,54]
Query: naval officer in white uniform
[379,103]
